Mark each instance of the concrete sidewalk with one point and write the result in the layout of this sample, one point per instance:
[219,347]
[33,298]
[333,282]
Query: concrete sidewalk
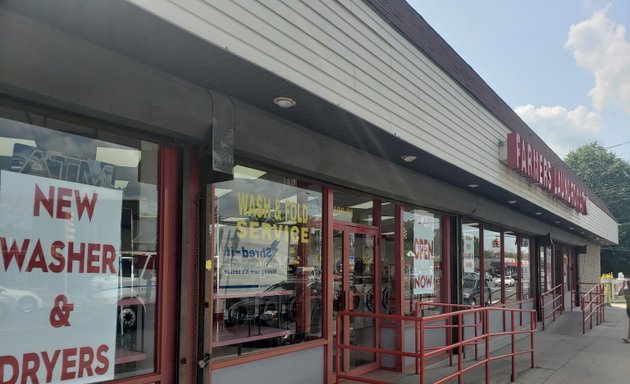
[562,355]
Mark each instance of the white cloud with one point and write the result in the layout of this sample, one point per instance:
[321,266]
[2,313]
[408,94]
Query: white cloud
[600,45]
[562,129]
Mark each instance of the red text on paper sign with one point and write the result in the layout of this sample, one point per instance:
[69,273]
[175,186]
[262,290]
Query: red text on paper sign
[59,201]
[423,249]
[71,364]
[59,256]
[423,281]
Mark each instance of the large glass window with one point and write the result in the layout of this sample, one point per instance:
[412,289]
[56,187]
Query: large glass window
[526,277]
[267,263]
[510,259]
[471,266]
[422,258]
[78,237]
[388,258]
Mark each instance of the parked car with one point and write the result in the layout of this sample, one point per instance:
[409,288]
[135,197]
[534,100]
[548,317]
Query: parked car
[509,280]
[276,310]
[6,307]
[23,301]
[472,290]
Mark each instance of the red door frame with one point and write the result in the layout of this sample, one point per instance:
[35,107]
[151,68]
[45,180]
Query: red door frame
[347,228]
[168,270]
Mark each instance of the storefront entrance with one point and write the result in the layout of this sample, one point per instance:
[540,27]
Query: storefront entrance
[354,258]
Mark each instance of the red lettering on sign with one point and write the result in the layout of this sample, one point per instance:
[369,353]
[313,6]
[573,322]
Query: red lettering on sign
[50,364]
[525,159]
[79,257]
[24,369]
[59,204]
[100,356]
[423,282]
[12,362]
[13,253]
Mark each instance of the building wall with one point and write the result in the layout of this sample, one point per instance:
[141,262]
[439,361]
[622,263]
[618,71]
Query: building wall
[589,266]
[345,53]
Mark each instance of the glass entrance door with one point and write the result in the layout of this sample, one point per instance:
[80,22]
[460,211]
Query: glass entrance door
[354,266]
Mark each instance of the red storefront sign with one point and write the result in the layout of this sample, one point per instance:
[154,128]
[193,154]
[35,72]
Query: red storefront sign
[526,160]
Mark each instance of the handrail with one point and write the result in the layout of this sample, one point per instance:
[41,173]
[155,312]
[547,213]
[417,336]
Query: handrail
[447,308]
[421,353]
[557,303]
[595,305]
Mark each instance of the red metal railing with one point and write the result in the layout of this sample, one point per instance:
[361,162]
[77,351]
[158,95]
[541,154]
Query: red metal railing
[592,303]
[422,306]
[449,321]
[551,302]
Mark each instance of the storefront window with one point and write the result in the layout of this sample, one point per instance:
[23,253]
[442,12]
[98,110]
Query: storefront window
[422,258]
[267,263]
[388,258]
[353,208]
[525,269]
[78,238]
[471,263]
[549,268]
[510,257]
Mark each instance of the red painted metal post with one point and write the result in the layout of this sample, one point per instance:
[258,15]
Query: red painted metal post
[553,305]
[542,308]
[486,322]
[590,309]
[422,378]
[513,337]
[337,355]
[531,335]
[583,316]
[460,339]
[417,325]
[476,325]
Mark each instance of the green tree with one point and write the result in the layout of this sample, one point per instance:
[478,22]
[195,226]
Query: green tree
[609,177]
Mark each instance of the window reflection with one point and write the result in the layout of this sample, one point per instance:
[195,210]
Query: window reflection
[112,293]
[267,269]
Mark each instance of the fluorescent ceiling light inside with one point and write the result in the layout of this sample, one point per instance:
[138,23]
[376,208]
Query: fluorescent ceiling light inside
[218,192]
[119,156]
[386,233]
[366,205]
[293,199]
[241,172]
[383,218]
[232,219]
[121,184]
[6,145]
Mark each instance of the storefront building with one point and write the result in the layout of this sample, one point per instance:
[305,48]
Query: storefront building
[192,191]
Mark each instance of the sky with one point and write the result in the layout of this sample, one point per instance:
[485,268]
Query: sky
[563,66]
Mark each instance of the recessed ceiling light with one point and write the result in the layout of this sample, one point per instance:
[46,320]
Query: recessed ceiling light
[284,102]
[537,213]
[472,185]
[511,201]
[408,158]
[557,221]
[571,228]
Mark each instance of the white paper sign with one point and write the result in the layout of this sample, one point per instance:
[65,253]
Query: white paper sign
[251,264]
[423,268]
[57,239]
[469,253]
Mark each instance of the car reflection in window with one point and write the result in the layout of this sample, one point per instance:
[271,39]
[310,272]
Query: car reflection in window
[275,310]
[14,301]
